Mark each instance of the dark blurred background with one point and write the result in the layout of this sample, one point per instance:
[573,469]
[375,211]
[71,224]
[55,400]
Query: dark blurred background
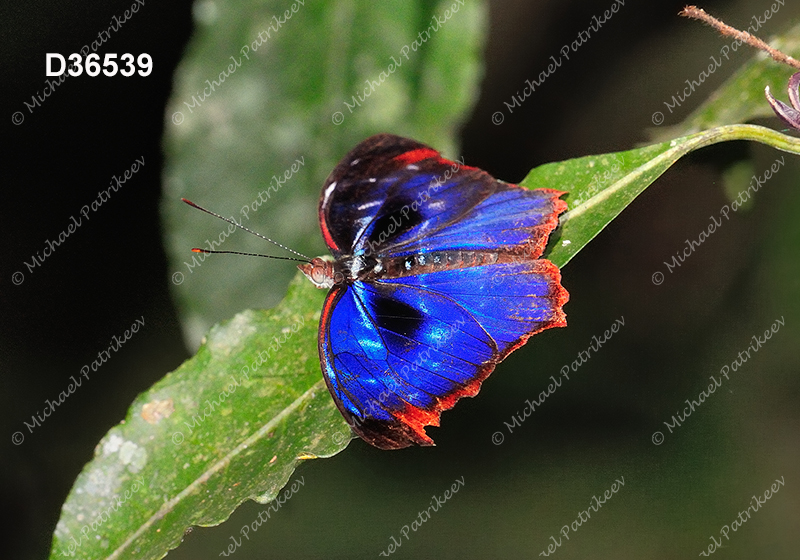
[596,428]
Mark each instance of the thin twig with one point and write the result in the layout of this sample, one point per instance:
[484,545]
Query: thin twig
[694,12]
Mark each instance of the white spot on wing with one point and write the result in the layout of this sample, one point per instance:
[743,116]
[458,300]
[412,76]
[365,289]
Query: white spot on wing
[354,162]
[328,192]
[412,167]
[369,204]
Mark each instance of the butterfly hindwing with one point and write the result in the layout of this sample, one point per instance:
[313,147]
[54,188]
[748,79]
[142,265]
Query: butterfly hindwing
[392,351]
[396,353]
[511,300]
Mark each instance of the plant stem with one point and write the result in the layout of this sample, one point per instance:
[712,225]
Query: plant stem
[694,12]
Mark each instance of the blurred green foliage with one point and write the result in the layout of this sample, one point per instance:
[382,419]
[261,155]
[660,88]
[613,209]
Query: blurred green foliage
[400,66]
[279,107]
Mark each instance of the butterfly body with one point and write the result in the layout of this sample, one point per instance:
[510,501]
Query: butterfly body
[435,278]
[325,274]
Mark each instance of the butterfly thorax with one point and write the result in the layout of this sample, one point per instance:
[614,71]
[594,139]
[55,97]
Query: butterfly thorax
[350,268]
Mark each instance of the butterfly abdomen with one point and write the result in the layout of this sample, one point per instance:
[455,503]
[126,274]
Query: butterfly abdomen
[435,261]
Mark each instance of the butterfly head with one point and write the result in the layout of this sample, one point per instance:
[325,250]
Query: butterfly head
[321,273]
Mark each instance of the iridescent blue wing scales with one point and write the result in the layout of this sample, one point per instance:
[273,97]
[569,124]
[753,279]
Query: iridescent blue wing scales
[394,196]
[387,352]
[420,343]
[400,346]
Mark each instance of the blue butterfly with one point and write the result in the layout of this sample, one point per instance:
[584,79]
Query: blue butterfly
[436,278]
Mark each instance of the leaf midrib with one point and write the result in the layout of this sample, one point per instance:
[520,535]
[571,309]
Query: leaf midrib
[216,467]
[699,140]
[685,145]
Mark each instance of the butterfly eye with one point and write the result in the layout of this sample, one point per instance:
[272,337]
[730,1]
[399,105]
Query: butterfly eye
[318,274]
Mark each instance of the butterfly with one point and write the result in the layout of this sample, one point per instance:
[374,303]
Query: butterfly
[435,279]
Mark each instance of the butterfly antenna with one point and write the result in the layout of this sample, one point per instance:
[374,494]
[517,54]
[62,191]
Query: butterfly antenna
[248,230]
[198,250]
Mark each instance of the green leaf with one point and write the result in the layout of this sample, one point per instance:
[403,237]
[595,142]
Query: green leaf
[600,187]
[233,422]
[277,109]
[228,425]
[254,390]
[741,97]
[256,98]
